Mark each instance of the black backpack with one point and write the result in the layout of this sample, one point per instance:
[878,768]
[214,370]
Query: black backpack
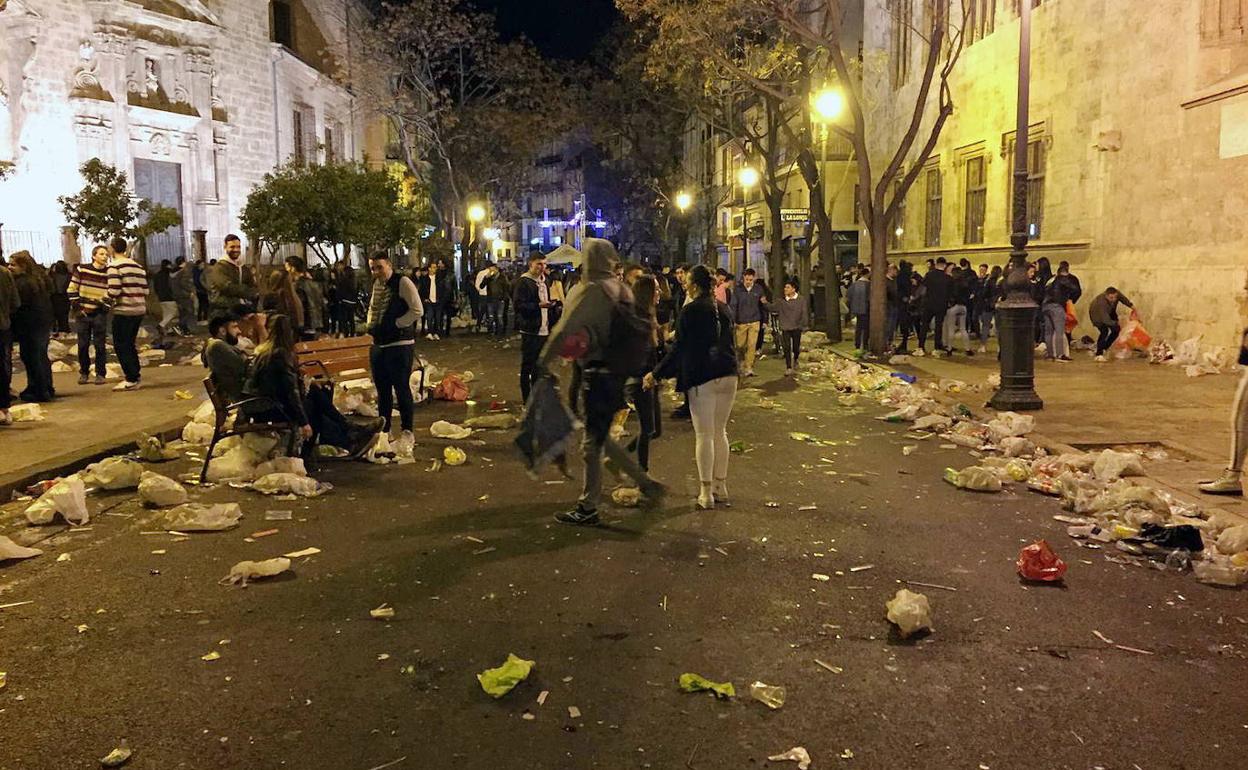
[631,342]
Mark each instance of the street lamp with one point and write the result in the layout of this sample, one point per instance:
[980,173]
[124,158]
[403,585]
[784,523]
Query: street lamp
[683,201]
[747,177]
[827,105]
[1016,314]
[491,235]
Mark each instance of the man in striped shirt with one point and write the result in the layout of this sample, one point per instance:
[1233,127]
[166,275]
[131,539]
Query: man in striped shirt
[127,289]
[88,295]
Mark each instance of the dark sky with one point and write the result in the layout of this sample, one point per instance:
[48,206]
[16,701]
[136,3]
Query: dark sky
[564,29]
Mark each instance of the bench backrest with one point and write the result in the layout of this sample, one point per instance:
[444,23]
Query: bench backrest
[218,403]
[334,356]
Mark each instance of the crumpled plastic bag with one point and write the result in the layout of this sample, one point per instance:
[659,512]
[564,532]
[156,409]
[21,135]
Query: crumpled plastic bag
[252,570]
[626,497]
[444,429]
[160,491]
[286,484]
[205,413]
[1187,353]
[796,754]
[239,463]
[1018,470]
[197,433]
[1011,424]
[1233,540]
[11,550]
[27,413]
[910,612]
[497,682]
[1079,493]
[1125,496]
[152,449]
[1016,446]
[1040,562]
[1219,571]
[697,683]
[932,422]
[1160,352]
[194,517]
[1215,360]
[453,455]
[907,413]
[57,349]
[498,421]
[60,367]
[1111,465]
[68,497]
[282,465]
[405,446]
[113,473]
[975,478]
[453,387]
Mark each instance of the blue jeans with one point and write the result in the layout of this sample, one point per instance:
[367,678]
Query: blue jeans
[862,330]
[92,331]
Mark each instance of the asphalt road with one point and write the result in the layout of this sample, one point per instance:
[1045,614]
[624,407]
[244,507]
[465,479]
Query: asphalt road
[1012,676]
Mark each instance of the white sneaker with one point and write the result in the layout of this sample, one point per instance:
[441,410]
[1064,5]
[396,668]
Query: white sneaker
[126,385]
[918,353]
[1042,348]
[1100,359]
[788,372]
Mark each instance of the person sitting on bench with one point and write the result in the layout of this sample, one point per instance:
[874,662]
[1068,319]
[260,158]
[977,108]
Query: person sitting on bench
[225,361]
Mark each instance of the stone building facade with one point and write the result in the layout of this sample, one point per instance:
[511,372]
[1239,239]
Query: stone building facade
[194,99]
[1139,147]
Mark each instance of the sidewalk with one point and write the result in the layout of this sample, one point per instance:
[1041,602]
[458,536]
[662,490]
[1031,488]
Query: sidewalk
[88,420]
[1089,405]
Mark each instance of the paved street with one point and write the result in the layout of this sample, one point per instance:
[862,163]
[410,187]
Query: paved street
[1013,675]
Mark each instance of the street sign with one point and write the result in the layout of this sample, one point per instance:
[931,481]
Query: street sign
[794,215]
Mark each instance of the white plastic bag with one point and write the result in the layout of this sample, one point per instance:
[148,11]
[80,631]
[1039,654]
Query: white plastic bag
[1111,465]
[1008,424]
[11,550]
[282,465]
[57,349]
[113,473]
[1187,353]
[160,491]
[67,497]
[197,433]
[910,612]
[205,413]
[497,421]
[251,570]
[1017,446]
[238,463]
[287,483]
[1233,540]
[193,517]
[444,429]
[934,422]
[27,413]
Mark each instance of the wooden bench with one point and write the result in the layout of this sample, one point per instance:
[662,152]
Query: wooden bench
[326,358]
[223,410]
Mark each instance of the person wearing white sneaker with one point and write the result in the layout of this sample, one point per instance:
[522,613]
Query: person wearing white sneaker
[703,360]
[794,318]
[127,291]
[746,303]
[1229,483]
[1103,313]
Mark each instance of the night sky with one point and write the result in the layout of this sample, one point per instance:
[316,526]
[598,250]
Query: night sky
[563,29]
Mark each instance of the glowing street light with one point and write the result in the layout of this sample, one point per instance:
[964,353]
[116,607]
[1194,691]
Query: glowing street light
[476,212]
[683,201]
[491,233]
[747,176]
[828,105]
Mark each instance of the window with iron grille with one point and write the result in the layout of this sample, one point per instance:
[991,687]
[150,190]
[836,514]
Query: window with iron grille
[976,200]
[931,229]
[1222,21]
[1036,156]
[981,19]
[902,39]
[897,226]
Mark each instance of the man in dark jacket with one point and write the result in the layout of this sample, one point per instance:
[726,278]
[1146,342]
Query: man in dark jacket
[1103,312]
[393,311]
[531,298]
[935,305]
[228,284]
[747,303]
[9,302]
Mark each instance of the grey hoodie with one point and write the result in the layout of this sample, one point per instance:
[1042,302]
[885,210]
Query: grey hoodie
[587,311]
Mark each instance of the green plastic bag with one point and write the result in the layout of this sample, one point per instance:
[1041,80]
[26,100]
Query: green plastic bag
[695,683]
[497,682]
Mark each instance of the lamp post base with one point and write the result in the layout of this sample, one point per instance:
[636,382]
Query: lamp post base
[1016,324]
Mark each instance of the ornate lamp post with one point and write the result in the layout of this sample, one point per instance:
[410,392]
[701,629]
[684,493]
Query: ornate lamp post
[683,201]
[1016,313]
[827,106]
[748,177]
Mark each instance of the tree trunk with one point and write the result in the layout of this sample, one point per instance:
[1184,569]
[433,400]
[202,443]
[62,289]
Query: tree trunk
[775,260]
[879,288]
[831,276]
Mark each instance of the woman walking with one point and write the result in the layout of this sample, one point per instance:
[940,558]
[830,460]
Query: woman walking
[703,360]
[32,325]
[645,400]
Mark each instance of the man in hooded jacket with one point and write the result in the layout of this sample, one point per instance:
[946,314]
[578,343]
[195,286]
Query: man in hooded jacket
[584,334]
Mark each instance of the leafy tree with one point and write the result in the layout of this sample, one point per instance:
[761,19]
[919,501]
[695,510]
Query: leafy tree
[104,209]
[329,206]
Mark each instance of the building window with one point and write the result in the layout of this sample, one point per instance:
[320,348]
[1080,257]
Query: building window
[902,39]
[1222,21]
[976,199]
[333,142]
[282,23]
[303,133]
[898,226]
[981,19]
[1036,157]
[931,229]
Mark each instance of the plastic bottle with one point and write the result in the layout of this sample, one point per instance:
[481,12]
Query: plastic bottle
[1179,560]
[767,694]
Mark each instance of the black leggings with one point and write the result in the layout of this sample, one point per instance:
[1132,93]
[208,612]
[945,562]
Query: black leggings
[791,340]
[647,404]
[1105,341]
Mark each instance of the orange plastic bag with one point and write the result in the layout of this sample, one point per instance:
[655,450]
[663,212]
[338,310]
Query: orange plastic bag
[1133,336]
[1072,320]
[1038,561]
[451,388]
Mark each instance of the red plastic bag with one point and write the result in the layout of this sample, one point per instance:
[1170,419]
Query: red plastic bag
[451,388]
[1072,320]
[1133,335]
[1039,562]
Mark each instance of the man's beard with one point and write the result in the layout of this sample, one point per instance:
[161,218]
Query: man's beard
[230,339]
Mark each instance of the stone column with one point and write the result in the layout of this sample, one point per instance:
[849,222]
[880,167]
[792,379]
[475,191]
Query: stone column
[199,244]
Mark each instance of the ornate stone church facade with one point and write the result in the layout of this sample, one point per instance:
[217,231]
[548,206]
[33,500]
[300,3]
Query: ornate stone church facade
[194,99]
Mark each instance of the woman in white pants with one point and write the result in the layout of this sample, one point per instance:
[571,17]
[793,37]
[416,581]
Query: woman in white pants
[703,360]
[1229,482]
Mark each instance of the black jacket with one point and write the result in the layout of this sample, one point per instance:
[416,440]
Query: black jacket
[704,349]
[936,296]
[273,376]
[961,290]
[528,304]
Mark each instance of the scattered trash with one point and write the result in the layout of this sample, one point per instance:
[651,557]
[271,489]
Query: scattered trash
[444,429]
[384,612]
[252,570]
[195,517]
[1219,571]
[289,484]
[210,657]
[116,758]
[64,557]
[153,450]
[1039,562]
[160,491]
[499,421]
[1233,540]
[769,695]
[497,682]
[279,515]
[1011,425]
[292,465]
[113,473]
[68,497]
[11,550]
[303,553]
[27,413]
[574,712]
[183,395]
[933,422]
[821,577]
[910,612]
[974,478]
[626,497]
[1110,465]
[454,456]
[696,683]
[862,568]
[796,754]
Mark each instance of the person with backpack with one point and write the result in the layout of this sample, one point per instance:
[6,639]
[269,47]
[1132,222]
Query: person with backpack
[703,360]
[602,331]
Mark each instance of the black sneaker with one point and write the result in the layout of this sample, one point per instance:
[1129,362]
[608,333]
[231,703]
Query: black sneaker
[578,516]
